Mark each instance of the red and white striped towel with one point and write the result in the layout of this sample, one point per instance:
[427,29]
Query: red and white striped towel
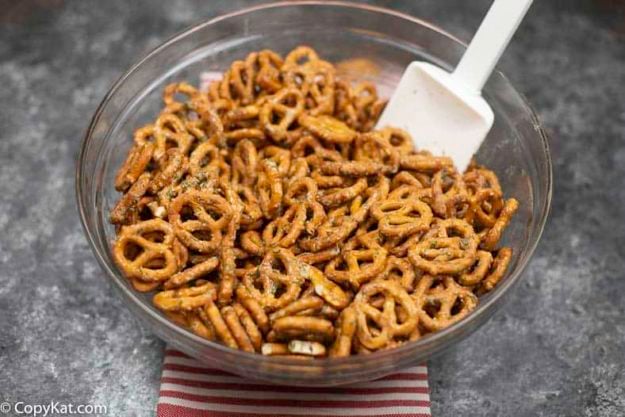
[192,389]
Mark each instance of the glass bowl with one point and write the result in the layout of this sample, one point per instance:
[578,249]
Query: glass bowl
[516,150]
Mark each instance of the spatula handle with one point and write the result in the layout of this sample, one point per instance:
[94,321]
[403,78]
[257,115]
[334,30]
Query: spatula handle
[491,39]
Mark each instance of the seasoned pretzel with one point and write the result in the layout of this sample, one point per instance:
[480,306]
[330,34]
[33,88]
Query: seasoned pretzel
[198,326]
[449,195]
[227,252]
[267,213]
[335,197]
[485,206]
[346,331]
[270,189]
[337,227]
[170,131]
[327,128]
[388,325]
[253,307]
[403,218]
[185,299]
[195,272]
[307,328]
[442,302]
[136,238]
[285,230]
[405,178]
[277,288]
[425,163]
[301,189]
[406,193]
[475,275]
[275,349]
[173,165]
[319,257]
[212,214]
[251,214]
[244,163]
[285,106]
[322,286]
[238,331]
[268,74]
[399,246]
[126,208]
[401,271]
[479,178]
[211,314]
[251,328]
[497,270]
[439,253]
[375,148]
[374,195]
[253,243]
[170,93]
[362,259]
[492,237]
[238,82]
[137,161]
[297,307]
[204,157]
[399,139]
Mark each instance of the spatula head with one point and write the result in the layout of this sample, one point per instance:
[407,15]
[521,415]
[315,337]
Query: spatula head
[440,115]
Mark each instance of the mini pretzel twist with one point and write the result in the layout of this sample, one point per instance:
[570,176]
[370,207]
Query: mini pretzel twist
[388,325]
[449,194]
[285,106]
[168,130]
[212,214]
[285,230]
[337,227]
[439,252]
[277,288]
[403,218]
[485,206]
[138,246]
[362,260]
[268,74]
[478,178]
[401,271]
[442,302]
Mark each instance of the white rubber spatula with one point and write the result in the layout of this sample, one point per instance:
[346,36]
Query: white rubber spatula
[445,113]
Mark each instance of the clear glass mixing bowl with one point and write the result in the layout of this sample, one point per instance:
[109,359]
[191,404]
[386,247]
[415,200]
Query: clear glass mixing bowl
[516,149]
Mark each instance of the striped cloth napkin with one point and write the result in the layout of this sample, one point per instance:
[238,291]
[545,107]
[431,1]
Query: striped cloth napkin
[192,389]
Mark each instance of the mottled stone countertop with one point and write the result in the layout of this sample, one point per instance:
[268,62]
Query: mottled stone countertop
[557,349]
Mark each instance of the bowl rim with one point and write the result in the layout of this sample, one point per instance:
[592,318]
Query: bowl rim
[483,307]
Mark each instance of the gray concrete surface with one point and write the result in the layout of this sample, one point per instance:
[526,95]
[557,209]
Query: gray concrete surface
[557,349]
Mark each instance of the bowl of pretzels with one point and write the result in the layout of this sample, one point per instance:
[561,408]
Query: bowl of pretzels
[234,187]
